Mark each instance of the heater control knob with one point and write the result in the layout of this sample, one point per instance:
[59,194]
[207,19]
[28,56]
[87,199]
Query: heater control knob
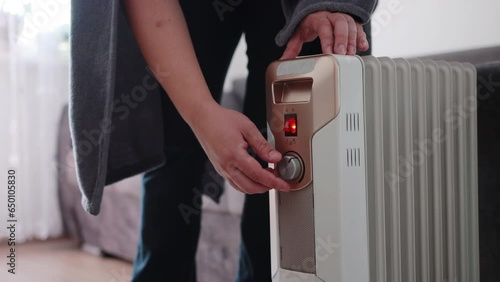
[290,167]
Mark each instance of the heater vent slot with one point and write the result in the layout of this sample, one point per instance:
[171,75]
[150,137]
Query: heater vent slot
[352,122]
[292,91]
[353,157]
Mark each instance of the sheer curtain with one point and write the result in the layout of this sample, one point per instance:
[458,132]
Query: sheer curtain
[34,85]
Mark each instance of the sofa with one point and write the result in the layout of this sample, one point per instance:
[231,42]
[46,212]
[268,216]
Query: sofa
[115,231]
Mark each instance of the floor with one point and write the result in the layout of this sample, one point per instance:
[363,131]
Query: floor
[61,260]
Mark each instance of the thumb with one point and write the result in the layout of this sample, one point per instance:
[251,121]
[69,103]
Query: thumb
[260,145]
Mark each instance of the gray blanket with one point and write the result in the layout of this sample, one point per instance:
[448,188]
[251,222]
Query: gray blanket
[115,113]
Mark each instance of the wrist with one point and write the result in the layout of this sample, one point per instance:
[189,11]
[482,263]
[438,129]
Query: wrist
[199,111]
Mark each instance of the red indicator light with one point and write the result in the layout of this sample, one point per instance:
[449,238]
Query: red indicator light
[290,127]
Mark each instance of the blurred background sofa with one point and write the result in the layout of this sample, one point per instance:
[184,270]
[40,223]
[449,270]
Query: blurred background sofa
[115,231]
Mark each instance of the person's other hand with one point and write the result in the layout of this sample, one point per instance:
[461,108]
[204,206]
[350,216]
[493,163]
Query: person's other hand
[225,136]
[338,33]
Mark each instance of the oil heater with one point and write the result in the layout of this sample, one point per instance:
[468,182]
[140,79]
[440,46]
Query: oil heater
[381,155]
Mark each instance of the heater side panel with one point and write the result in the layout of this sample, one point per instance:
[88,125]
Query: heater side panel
[354,195]
[327,202]
[273,215]
[274,236]
[340,198]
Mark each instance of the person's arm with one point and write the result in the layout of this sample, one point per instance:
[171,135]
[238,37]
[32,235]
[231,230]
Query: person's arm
[225,135]
[337,23]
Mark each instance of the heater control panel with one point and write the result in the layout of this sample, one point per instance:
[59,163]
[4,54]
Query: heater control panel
[302,97]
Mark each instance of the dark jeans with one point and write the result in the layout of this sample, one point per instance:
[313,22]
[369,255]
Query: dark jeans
[171,205]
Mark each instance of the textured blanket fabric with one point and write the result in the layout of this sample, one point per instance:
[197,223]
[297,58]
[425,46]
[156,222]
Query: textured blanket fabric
[115,114]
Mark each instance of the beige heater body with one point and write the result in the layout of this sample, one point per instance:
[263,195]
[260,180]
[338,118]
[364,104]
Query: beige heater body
[381,155]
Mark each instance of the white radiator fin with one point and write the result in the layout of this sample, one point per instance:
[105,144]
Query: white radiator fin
[422,170]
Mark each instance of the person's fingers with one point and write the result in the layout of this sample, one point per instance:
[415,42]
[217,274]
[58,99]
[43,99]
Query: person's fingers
[273,171]
[252,169]
[340,31]
[361,38]
[293,47]
[240,179]
[260,145]
[231,182]
[352,36]
[325,33]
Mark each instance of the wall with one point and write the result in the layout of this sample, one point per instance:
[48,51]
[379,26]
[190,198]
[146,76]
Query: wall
[419,27]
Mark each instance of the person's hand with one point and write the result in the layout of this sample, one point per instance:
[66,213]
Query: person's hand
[225,136]
[338,33]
